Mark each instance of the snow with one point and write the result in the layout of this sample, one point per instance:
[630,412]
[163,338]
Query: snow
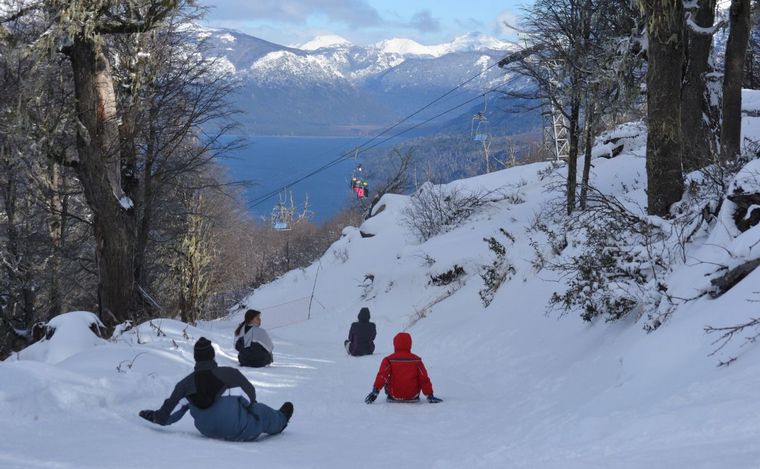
[751,100]
[125,202]
[222,66]
[471,42]
[332,61]
[521,389]
[312,68]
[320,42]
[477,41]
[72,336]
[748,178]
[406,47]
[227,37]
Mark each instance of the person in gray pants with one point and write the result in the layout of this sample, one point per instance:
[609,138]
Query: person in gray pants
[233,418]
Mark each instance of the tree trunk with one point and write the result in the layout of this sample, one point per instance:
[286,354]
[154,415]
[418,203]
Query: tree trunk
[589,110]
[146,204]
[664,150]
[56,230]
[99,170]
[21,298]
[572,157]
[130,182]
[731,278]
[697,152]
[730,132]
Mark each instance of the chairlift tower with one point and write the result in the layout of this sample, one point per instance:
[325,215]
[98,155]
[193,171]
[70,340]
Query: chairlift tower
[480,131]
[556,141]
[555,118]
[555,135]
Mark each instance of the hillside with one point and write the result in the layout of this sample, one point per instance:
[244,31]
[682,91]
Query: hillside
[523,386]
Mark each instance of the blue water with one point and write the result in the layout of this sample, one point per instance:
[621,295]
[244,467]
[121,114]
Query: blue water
[271,163]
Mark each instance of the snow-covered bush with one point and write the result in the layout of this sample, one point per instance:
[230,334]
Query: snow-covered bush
[437,209]
[447,277]
[499,271]
[66,335]
[619,258]
[367,286]
[617,263]
[744,193]
[556,241]
[341,254]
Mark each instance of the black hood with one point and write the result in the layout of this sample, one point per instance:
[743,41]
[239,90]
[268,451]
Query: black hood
[364,314]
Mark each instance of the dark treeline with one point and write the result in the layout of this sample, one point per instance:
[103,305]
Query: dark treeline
[442,158]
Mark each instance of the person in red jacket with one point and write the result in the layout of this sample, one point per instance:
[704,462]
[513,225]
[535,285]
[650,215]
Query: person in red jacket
[402,374]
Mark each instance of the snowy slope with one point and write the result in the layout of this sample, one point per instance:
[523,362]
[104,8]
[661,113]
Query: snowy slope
[521,389]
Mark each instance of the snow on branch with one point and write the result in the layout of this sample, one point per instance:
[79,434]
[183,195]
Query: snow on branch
[707,31]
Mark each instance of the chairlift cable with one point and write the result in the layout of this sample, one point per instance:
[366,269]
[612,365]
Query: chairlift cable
[363,148]
[348,155]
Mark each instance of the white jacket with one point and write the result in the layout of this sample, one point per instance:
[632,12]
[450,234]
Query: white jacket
[257,334]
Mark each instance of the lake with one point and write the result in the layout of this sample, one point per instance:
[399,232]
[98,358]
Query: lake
[271,163]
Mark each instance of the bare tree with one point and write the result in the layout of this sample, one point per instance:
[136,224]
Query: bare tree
[573,46]
[397,180]
[179,92]
[86,27]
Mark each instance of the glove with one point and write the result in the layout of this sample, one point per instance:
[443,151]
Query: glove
[434,400]
[371,396]
[147,415]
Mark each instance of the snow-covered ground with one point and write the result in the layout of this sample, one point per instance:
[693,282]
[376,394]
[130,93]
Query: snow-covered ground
[521,389]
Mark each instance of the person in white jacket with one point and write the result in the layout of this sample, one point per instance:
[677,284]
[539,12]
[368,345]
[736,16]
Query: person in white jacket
[253,344]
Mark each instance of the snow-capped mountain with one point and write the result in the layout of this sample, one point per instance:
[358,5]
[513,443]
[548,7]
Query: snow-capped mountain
[329,40]
[472,42]
[330,86]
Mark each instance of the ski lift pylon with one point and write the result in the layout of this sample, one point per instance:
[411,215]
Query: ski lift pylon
[479,129]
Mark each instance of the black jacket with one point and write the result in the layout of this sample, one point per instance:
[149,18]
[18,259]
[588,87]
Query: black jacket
[362,334]
[255,355]
[203,386]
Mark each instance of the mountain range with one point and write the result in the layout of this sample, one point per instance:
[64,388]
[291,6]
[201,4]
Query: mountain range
[329,86]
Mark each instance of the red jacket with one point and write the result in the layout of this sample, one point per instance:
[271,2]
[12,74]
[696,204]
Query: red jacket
[402,373]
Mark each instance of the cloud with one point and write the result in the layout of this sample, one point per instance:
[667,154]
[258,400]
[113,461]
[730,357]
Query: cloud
[354,13]
[424,22]
[505,18]
[469,24]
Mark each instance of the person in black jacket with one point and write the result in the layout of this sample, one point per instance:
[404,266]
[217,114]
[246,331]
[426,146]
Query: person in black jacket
[215,414]
[361,336]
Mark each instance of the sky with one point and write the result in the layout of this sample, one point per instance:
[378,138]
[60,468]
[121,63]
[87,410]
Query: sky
[293,22]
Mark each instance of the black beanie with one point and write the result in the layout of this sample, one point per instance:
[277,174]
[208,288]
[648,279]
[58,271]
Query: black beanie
[203,351]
